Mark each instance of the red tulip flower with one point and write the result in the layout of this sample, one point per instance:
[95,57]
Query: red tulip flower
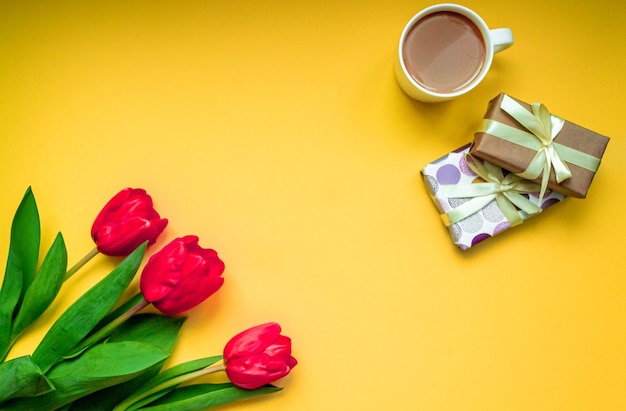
[252,359]
[181,276]
[258,356]
[127,221]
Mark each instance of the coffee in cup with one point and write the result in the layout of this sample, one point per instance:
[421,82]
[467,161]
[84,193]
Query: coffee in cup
[445,51]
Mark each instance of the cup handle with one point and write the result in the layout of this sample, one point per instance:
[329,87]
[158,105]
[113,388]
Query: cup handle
[501,39]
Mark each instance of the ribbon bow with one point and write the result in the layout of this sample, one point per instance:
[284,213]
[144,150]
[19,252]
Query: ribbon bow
[542,128]
[506,190]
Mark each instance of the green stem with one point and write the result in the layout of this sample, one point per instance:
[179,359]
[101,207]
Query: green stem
[81,263]
[123,406]
[110,327]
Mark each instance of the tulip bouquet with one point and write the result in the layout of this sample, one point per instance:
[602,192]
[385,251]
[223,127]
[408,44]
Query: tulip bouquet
[103,352]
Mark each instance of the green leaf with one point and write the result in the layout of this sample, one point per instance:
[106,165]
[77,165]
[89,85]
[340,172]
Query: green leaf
[9,297]
[158,330]
[199,397]
[21,265]
[25,237]
[108,360]
[152,390]
[21,377]
[109,324]
[44,287]
[101,366]
[80,318]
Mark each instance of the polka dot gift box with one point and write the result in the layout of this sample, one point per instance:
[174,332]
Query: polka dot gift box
[477,200]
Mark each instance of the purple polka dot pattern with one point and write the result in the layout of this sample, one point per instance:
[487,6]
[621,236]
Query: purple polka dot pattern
[479,238]
[448,174]
[488,222]
[505,225]
[548,202]
[464,167]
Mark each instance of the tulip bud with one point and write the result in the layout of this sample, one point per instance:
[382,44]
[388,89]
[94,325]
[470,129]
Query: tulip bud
[258,356]
[127,221]
[181,276]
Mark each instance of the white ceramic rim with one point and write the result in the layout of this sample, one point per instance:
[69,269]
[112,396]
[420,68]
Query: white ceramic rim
[484,30]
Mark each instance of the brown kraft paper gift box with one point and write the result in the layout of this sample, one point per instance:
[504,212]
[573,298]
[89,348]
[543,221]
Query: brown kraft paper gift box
[516,158]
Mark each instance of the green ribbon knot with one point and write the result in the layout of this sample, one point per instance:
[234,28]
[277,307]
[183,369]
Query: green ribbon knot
[543,128]
[507,191]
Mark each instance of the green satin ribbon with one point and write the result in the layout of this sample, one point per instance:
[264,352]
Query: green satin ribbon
[542,129]
[506,190]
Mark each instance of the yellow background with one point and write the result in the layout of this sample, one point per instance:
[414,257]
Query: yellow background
[276,132]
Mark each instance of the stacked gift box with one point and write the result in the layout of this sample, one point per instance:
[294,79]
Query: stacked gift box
[523,159]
